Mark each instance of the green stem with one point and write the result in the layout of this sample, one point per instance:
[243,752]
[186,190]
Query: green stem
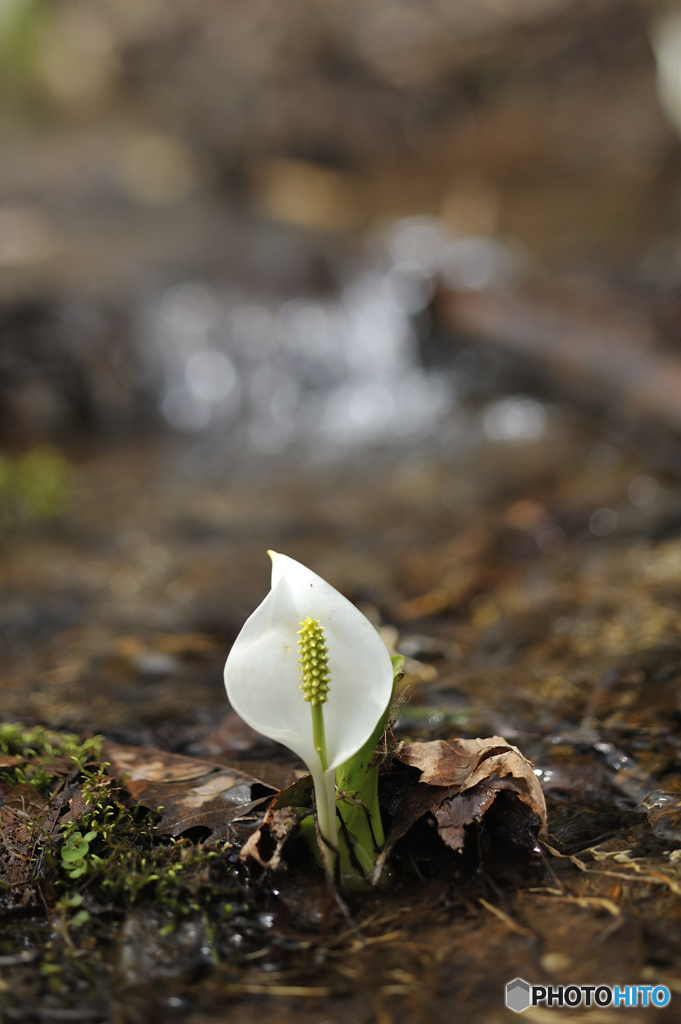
[318,733]
[361,836]
[325,799]
[325,792]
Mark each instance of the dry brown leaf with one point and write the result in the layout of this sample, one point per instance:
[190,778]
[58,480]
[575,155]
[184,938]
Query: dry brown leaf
[189,793]
[55,765]
[144,764]
[465,763]
[459,810]
[440,762]
[281,822]
[10,760]
[460,781]
[266,844]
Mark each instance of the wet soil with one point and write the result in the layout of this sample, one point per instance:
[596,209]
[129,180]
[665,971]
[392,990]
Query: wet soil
[520,616]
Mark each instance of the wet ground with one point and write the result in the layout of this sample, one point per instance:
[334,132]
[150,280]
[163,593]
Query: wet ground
[534,586]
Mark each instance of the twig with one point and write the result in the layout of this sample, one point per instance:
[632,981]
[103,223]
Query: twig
[508,921]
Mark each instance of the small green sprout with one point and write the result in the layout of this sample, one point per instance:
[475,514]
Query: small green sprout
[74,853]
[71,902]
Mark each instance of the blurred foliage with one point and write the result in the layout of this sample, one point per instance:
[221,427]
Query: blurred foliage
[34,487]
[36,741]
[21,25]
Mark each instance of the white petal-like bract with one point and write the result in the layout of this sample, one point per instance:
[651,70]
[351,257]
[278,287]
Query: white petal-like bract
[262,674]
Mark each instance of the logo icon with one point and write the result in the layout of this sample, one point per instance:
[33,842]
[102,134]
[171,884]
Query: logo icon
[518,995]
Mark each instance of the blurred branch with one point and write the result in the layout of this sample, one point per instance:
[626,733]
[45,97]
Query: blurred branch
[603,348]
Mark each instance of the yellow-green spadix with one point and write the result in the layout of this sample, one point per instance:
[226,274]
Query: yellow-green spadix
[262,676]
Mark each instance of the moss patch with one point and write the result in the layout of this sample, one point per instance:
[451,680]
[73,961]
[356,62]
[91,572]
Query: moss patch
[78,860]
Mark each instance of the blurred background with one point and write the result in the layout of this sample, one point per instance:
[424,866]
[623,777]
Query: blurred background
[392,287]
[322,225]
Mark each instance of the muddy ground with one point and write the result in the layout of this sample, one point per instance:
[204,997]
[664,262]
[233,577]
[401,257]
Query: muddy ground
[526,610]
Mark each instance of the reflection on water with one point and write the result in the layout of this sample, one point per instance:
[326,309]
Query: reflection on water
[333,374]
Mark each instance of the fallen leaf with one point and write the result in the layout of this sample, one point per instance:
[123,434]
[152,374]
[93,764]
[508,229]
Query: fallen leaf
[144,764]
[54,765]
[265,846]
[465,763]
[281,821]
[297,794]
[10,760]
[60,766]
[460,781]
[457,811]
[440,762]
[187,792]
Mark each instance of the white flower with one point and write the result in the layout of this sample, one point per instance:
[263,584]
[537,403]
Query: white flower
[262,676]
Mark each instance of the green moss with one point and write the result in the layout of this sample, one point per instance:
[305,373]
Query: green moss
[36,741]
[39,748]
[114,853]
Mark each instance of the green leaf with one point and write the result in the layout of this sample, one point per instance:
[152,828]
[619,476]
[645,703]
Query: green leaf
[75,852]
[398,662]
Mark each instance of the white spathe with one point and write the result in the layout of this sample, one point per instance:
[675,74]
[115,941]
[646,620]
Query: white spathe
[262,674]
